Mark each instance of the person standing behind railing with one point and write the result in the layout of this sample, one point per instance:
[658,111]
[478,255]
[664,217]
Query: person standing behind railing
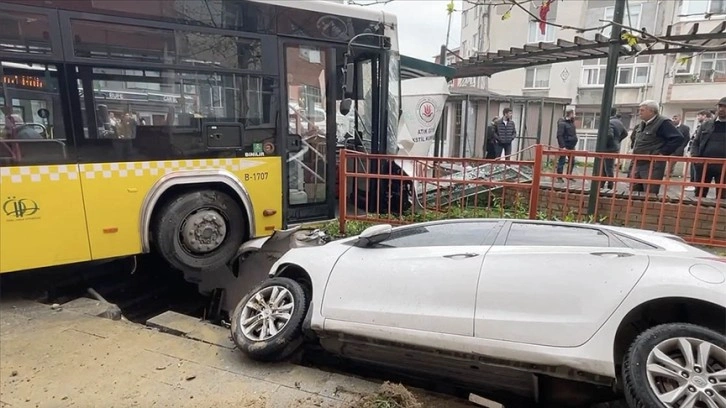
[701,117]
[655,135]
[710,141]
[566,139]
[616,134]
[506,133]
[686,132]
[490,144]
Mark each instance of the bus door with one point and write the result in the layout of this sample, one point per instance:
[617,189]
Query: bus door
[309,123]
[42,217]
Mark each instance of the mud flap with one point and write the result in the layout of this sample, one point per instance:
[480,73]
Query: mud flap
[251,265]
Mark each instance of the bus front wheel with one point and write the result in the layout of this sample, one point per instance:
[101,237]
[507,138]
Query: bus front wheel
[199,231]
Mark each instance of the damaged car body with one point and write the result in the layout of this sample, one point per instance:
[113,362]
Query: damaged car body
[506,305]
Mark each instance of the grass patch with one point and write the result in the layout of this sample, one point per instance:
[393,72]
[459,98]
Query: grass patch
[388,396]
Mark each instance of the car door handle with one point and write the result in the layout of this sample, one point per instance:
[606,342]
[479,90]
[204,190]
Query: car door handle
[460,256]
[611,254]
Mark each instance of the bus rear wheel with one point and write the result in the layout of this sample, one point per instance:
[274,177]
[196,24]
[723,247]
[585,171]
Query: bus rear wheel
[199,231]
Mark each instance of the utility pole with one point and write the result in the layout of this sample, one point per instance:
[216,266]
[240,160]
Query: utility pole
[607,101]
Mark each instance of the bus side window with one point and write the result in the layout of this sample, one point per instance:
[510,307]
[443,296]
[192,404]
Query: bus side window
[134,114]
[31,123]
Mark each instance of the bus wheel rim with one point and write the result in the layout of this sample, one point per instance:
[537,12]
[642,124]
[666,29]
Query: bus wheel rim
[203,231]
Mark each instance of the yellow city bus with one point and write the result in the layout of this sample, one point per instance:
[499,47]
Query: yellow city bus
[161,125]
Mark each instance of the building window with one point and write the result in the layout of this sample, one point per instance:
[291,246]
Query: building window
[589,120]
[631,17]
[536,36]
[631,71]
[713,67]
[464,17]
[537,77]
[697,9]
[687,67]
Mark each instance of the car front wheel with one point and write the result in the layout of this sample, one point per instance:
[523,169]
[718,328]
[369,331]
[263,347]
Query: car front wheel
[267,323]
[676,365]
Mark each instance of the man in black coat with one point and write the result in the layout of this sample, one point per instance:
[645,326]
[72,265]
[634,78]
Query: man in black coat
[490,144]
[655,136]
[710,141]
[616,134]
[686,132]
[566,139]
[506,133]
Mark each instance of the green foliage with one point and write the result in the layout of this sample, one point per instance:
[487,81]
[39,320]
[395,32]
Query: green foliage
[516,208]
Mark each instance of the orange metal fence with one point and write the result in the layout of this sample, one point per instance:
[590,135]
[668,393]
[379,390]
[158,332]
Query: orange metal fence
[651,192]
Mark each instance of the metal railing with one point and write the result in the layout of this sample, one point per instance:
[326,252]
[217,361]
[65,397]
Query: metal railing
[627,190]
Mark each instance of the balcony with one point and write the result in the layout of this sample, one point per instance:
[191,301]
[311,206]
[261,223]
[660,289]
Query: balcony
[698,87]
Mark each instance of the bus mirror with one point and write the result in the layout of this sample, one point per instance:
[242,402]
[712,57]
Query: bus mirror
[345,106]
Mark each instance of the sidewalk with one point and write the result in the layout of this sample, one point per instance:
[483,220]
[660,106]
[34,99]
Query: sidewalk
[67,358]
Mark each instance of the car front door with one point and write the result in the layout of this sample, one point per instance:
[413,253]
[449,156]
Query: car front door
[553,285]
[422,278]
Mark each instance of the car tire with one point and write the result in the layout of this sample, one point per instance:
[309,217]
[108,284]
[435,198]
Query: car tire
[645,390]
[210,209]
[288,336]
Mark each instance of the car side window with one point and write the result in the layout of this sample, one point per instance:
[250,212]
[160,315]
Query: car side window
[633,243]
[532,234]
[448,234]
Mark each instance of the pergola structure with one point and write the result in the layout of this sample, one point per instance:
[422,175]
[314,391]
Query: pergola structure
[490,63]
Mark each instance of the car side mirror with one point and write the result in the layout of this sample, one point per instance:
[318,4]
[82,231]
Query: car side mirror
[345,106]
[375,234]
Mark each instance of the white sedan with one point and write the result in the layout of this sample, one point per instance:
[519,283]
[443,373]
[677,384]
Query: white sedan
[507,303]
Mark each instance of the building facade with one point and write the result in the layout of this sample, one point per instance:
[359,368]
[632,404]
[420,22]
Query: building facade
[682,89]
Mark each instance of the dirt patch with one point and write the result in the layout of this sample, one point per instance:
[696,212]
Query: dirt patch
[388,396]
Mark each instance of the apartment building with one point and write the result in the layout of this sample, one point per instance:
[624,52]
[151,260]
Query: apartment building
[682,89]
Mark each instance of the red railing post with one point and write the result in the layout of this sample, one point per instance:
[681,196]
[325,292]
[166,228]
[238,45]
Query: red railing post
[342,190]
[536,176]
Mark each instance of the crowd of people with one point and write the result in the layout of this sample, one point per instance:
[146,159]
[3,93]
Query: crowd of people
[654,135]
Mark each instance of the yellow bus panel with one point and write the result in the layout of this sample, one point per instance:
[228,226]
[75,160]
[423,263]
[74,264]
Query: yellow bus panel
[42,222]
[114,194]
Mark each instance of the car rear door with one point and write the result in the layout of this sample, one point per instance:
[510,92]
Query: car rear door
[552,284]
[423,278]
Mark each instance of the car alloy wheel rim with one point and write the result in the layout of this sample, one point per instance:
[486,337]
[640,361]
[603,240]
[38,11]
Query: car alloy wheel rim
[266,313]
[686,372]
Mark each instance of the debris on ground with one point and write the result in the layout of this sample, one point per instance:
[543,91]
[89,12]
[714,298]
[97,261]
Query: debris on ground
[388,396]
[56,307]
[484,402]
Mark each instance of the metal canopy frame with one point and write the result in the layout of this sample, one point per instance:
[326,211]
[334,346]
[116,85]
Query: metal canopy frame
[490,63]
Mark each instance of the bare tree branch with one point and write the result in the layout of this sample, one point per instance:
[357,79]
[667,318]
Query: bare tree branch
[651,39]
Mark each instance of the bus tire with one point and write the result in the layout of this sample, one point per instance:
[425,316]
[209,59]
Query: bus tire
[200,230]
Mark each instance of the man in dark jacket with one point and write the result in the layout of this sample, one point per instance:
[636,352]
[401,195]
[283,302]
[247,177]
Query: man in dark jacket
[566,139]
[506,133]
[686,132]
[710,141]
[655,135]
[490,151]
[616,134]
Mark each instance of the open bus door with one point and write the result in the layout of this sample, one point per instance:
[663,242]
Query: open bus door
[316,128]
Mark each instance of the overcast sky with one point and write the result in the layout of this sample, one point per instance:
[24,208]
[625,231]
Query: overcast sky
[422,25]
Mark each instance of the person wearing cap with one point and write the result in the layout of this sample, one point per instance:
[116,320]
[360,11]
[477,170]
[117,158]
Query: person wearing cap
[710,141]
